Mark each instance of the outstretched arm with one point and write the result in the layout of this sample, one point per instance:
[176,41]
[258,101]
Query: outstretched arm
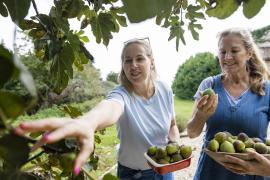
[83,128]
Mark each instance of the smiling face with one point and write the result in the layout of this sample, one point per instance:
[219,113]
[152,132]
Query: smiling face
[233,54]
[137,64]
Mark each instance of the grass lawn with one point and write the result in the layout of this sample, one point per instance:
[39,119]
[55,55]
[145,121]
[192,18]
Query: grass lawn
[183,112]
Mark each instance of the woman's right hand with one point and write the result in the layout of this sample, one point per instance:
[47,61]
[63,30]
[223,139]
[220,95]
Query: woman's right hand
[57,129]
[207,105]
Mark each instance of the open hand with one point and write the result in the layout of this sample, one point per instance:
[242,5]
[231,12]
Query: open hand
[57,129]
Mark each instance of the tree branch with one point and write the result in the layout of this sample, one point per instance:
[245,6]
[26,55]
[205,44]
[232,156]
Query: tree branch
[35,6]
[35,156]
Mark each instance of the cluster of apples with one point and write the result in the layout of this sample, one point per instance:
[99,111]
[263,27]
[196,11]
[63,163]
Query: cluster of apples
[170,153]
[226,142]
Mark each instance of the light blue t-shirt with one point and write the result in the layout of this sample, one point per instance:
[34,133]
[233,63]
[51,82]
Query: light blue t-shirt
[144,123]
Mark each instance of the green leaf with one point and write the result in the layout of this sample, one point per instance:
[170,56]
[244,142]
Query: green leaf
[84,23]
[11,66]
[74,41]
[18,175]
[120,19]
[60,22]
[84,39]
[109,176]
[147,8]
[61,68]
[202,3]
[35,134]
[223,9]
[69,9]
[63,146]
[94,161]
[17,9]
[6,65]
[71,111]
[26,24]
[86,53]
[176,31]
[97,139]
[14,150]
[55,47]
[195,34]
[46,21]
[102,26]
[252,7]
[161,16]
[3,10]
[11,105]
[80,60]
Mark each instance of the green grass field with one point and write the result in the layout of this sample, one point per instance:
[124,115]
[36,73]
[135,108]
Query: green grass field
[183,112]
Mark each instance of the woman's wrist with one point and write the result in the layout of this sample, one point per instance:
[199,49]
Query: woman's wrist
[201,116]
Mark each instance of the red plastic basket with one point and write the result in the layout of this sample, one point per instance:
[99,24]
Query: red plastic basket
[166,168]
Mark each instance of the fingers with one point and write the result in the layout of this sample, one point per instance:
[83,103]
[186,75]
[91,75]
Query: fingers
[208,103]
[233,166]
[42,125]
[86,149]
[41,142]
[202,101]
[257,156]
[235,160]
[237,171]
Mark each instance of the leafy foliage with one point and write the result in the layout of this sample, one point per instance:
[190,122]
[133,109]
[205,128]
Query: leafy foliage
[112,76]
[223,8]
[252,7]
[192,72]
[259,33]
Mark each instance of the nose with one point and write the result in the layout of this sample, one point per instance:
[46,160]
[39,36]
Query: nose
[134,63]
[228,55]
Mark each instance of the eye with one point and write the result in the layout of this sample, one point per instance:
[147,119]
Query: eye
[222,52]
[140,59]
[128,61]
[235,51]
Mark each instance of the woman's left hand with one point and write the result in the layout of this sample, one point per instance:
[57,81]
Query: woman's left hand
[257,165]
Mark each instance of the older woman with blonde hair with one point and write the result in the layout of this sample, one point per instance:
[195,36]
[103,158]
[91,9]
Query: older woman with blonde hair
[241,103]
[142,107]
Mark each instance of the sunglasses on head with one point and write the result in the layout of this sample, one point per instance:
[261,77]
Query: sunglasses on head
[146,39]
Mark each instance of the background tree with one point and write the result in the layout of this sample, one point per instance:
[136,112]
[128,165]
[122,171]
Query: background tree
[190,74]
[259,33]
[113,77]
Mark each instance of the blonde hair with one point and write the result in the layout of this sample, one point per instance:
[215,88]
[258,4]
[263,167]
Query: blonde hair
[122,78]
[256,66]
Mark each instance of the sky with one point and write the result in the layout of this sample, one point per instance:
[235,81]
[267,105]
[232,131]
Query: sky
[166,57]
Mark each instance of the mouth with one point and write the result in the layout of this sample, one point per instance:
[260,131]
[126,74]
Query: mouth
[229,64]
[135,74]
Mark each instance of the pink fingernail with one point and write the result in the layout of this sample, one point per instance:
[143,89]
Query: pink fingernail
[45,136]
[76,171]
[17,131]
[22,125]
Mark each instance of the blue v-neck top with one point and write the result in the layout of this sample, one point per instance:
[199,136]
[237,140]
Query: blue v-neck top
[249,115]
